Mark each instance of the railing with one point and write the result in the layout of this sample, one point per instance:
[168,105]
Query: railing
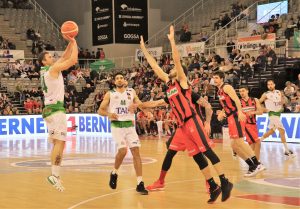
[49,20]
[231,29]
[152,41]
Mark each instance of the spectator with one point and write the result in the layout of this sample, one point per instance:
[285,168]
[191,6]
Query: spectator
[271,56]
[186,35]
[28,105]
[219,23]
[230,46]
[255,33]
[289,90]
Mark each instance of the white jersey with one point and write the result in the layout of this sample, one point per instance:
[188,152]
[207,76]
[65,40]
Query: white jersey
[120,102]
[273,101]
[53,88]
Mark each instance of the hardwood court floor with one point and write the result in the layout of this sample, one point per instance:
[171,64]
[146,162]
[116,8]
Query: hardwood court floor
[24,166]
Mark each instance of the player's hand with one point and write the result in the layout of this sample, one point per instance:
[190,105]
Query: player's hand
[112,116]
[70,39]
[221,115]
[142,43]
[207,127]
[171,35]
[241,116]
[250,113]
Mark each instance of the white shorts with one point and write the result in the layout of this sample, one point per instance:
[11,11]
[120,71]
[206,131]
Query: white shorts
[125,137]
[275,122]
[57,126]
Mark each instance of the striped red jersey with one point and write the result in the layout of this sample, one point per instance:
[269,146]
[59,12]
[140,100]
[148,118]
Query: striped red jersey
[227,103]
[247,106]
[180,101]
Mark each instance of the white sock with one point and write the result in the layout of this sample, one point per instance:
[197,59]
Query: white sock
[115,171]
[285,147]
[55,169]
[139,179]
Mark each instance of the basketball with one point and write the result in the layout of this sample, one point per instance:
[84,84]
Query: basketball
[69,28]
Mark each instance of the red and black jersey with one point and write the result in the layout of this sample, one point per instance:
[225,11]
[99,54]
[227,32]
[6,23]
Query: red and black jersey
[198,107]
[180,101]
[227,103]
[249,105]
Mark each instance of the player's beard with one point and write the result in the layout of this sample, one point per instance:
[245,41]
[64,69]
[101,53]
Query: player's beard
[119,86]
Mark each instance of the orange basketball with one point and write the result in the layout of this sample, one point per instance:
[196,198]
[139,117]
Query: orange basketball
[69,28]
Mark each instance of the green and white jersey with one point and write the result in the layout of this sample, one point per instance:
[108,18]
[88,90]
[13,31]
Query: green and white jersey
[120,102]
[273,101]
[53,88]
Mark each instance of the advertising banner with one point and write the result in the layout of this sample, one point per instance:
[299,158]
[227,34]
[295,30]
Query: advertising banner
[102,22]
[155,52]
[131,21]
[191,48]
[255,42]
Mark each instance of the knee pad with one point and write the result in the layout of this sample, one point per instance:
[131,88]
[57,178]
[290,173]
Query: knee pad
[201,161]
[211,155]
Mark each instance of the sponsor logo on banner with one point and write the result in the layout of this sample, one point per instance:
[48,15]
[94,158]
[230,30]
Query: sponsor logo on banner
[125,8]
[191,48]
[11,55]
[255,42]
[155,52]
[35,124]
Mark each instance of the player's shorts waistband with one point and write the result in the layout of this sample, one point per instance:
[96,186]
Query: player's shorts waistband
[53,108]
[272,113]
[122,124]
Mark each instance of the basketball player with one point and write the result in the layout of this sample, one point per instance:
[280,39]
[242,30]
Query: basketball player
[52,83]
[232,109]
[274,106]
[172,146]
[251,107]
[190,131]
[115,105]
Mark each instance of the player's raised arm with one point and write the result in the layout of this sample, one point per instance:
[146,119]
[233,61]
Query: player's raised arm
[176,57]
[231,92]
[152,62]
[68,62]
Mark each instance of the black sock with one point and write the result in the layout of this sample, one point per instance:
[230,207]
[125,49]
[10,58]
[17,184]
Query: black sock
[212,184]
[249,162]
[255,161]
[223,179]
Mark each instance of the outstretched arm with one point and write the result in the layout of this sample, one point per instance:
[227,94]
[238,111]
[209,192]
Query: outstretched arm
[152,62]
[176,57]
[152,104]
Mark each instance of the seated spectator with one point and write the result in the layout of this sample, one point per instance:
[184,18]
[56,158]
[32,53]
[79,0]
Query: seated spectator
[298,22]
[255,33]
[295,102]
[226,20]
[271,56]
[291,25]
[219,23]
[186,35]
[289,90]
[230,46]
[28,105]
